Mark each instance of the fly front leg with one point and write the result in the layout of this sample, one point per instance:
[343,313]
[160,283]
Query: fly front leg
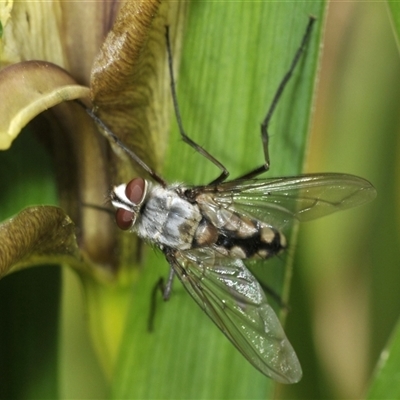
[166,289]
[224,172]
[275,100]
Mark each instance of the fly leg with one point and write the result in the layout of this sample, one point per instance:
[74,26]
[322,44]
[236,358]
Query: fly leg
[113,138]
[165,289]
[224,172]
[274,295]
[275,100]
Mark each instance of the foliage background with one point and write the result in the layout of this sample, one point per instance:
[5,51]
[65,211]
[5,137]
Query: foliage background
[346,273]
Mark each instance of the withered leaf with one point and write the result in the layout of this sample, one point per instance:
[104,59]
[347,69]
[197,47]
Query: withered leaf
[29,88]
[130,82]
[37,235]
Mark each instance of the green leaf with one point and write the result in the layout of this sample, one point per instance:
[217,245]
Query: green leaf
[394,12]
[29,334]
[386,383]
[234,56]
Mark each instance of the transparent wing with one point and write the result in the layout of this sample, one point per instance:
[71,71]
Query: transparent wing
[277,201]
[231,296]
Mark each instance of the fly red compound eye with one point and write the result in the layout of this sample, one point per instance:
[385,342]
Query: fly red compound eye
[124,218]
[135,193]
[135,190]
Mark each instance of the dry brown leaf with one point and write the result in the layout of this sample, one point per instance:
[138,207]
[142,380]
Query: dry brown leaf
[37,235]
[29,88]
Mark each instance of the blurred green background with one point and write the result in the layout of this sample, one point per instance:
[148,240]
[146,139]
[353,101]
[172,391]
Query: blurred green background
[345,290]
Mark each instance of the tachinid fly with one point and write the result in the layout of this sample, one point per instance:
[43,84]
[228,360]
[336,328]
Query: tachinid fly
[207,233]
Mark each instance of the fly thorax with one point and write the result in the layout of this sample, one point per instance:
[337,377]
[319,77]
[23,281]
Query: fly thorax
[168,219]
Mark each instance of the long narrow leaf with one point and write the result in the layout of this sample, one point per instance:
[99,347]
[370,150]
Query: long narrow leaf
[234,56]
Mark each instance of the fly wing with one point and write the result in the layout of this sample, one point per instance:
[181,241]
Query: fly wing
[231,296]
[277,201]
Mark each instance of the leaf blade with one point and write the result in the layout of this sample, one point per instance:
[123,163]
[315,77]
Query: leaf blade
[187,356]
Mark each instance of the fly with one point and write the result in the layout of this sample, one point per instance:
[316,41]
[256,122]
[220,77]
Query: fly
[208,232]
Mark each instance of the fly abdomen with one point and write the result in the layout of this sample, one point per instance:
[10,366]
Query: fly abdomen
[260,242]
[265,243]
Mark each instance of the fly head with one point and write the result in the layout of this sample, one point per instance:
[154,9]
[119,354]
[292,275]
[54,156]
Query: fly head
[128,199]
